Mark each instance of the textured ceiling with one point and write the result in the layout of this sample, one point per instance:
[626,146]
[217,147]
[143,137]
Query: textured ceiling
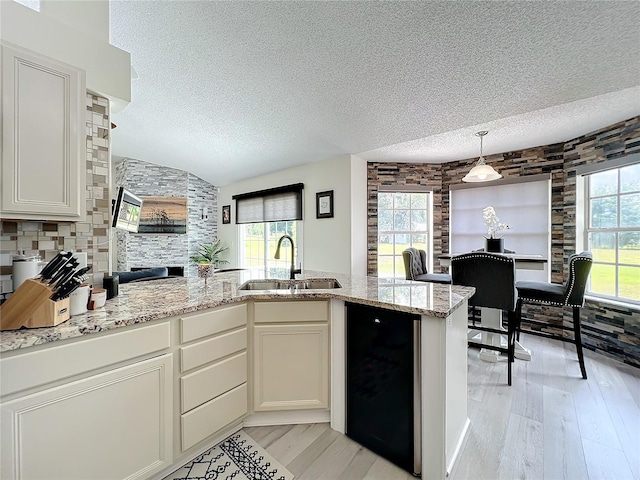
[230,90]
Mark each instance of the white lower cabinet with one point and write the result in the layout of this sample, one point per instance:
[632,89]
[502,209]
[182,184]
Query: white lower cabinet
[205,420]
[207,383]
[120,423]
[111,425]
[213,394]
[291,361]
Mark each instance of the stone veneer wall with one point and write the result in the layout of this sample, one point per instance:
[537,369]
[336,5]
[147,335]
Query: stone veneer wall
[155,250]
[399,174]
[92,234]
[608,328]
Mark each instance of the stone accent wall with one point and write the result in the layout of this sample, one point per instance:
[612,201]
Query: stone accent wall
[91,235]
[607,328]
[158,250]
[399,174]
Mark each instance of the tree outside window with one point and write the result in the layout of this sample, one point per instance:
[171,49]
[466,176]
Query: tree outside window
[403,222]
[613,233]
[258,243]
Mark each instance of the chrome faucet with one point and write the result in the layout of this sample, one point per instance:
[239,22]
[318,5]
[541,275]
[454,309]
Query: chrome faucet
[294,270]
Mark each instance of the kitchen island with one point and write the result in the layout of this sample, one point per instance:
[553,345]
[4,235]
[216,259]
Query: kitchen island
[147,334]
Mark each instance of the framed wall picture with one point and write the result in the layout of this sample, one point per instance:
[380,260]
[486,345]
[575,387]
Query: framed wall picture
[226,214]
[324,204]
[163,215]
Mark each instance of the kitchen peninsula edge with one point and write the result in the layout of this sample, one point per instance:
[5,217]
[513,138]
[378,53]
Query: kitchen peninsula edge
[146,301]
[153,313]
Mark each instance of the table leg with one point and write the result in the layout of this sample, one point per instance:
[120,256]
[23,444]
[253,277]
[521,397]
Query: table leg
[521,352]
[491,317]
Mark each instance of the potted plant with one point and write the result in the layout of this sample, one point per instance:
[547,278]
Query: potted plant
[208,257]
[492,222]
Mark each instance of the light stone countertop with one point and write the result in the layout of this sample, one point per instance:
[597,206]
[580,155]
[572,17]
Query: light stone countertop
[156,299]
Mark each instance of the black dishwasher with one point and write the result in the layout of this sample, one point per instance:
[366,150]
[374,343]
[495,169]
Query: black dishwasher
[383,386]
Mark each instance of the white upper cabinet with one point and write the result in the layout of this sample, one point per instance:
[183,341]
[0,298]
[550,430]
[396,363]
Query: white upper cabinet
[43,105]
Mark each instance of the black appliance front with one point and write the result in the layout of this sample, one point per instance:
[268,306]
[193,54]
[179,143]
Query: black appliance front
[381,384]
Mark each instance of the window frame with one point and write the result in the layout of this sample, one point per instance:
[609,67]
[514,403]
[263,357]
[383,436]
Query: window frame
[584,224]
[527,234]
[429,225]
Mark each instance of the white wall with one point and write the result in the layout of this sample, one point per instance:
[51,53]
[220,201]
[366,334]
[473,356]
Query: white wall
[90,17]
[359,220]
[328,243]
[108,69]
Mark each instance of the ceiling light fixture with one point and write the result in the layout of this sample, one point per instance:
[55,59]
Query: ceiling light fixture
[481,172]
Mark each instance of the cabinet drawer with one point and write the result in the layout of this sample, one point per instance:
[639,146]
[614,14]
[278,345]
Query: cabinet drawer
[203,385]
[207,419]
[207,351]
[55,363]
[273,312]
[212,322]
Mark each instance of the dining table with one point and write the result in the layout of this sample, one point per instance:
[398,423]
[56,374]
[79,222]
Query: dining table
[491,317]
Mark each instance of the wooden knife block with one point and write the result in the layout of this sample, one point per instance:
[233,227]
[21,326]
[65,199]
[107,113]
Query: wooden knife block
[31,307]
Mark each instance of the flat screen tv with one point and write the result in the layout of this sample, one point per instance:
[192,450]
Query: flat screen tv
[126,211]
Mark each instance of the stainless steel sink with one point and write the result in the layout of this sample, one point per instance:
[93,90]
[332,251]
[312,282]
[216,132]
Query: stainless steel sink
[264,285]
[321,284]
[277,284]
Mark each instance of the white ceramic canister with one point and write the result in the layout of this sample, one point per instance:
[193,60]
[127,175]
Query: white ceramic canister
[79,299]
[24,267]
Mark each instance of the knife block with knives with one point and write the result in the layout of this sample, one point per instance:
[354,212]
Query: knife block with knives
[31,306]
[44,301]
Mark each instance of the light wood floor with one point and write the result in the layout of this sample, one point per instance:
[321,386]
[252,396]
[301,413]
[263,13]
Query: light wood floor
[550,425]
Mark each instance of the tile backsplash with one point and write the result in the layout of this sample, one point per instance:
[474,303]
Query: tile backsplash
[91,235]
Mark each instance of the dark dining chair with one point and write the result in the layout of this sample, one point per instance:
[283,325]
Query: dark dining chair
[569,294]
[415,267]
[493,276]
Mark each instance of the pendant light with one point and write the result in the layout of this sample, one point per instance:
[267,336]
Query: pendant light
[481,172]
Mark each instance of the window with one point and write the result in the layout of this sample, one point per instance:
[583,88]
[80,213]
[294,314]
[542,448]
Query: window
[613,232]
[258,243]
[265,216]
[404,220]
[523,203]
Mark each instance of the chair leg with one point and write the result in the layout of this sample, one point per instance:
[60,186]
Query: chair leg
[518,318]
[578,340]
[511,329]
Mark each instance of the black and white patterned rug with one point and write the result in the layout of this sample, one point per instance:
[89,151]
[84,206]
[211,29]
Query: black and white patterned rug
[238,457]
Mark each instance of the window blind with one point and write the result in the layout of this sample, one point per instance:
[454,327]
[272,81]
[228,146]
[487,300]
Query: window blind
[524,205]
[272,205]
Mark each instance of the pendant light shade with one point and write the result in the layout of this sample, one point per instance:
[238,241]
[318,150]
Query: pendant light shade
[481,172]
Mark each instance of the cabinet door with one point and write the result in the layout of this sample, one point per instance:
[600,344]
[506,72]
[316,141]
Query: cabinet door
[112,425]
[43,104]
[291,367]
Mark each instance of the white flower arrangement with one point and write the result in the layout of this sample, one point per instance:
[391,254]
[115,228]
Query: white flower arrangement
[492,222]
